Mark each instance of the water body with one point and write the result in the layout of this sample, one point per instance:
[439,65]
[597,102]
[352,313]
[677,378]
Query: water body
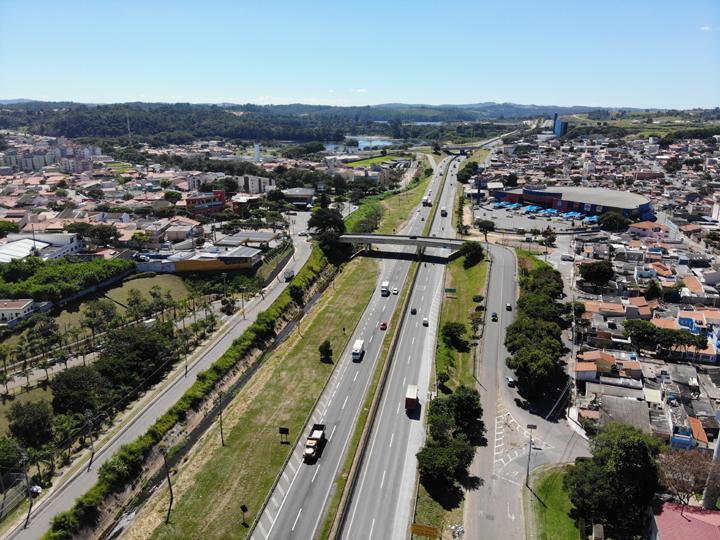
[364,142]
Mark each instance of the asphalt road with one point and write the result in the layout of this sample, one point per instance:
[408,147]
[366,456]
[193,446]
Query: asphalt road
[63,496]
[296,506]
[381,505]
[494,509]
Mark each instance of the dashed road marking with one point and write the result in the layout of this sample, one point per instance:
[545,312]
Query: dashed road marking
[296,519]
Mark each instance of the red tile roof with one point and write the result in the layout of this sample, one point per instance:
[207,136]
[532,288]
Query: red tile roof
[694,524]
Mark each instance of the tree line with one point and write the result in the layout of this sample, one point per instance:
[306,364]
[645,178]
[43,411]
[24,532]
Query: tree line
[57,279]
[534,337]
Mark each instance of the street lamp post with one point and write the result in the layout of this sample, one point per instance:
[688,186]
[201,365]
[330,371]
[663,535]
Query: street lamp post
[88,427]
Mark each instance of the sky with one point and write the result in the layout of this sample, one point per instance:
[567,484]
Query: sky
[632,53]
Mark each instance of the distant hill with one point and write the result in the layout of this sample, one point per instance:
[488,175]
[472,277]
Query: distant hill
[14,101]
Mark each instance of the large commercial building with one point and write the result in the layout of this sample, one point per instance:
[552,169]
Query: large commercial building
[590,201]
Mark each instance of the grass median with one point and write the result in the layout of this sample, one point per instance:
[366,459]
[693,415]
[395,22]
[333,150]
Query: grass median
[216,480]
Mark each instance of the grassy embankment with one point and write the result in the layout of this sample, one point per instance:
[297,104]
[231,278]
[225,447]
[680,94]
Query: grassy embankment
[218,480]
[551,506]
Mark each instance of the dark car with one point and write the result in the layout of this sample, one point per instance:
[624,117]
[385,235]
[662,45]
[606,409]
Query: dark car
[494,317]
[413,311]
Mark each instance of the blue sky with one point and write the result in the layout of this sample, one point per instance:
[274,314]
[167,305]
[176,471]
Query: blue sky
[664,53]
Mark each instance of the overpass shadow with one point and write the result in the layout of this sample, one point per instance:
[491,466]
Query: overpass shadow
[404,256]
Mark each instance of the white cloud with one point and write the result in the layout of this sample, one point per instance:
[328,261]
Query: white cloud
[359,90]
[705,28]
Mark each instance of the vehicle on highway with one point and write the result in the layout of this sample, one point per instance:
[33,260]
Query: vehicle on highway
[358,349]
[385,288]
[422,219]
[413,311]
[315,443]
[303,233]
[411,398]
[383,325]
[443,212]
[288,275]
[395,290]
[511,382]
[425,321]
[494,317]
[508,307]
[567,257]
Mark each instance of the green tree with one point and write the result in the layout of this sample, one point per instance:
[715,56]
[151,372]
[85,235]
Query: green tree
[7,227]
[76,390]
[652,291]
[617,484]
[329,226]
[485,226]
[473,253]
[10,454]
[642,334]
[172,196]
[31,423]
[610,221]
[467,412]
[437,463]
[598,273]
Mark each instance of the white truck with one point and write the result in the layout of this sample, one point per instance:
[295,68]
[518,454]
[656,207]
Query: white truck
[411,398]
[385,288]
[358,349]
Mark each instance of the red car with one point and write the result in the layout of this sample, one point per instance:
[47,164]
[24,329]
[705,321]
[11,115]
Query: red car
[383,326]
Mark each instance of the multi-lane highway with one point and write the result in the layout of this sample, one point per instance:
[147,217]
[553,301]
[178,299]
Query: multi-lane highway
[295,507]
[382,502]
[64,495]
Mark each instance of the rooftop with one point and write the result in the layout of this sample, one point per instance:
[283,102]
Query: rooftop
[596,196]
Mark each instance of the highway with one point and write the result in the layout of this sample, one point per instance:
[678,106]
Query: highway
[296,506]
[381,504]
[63,495]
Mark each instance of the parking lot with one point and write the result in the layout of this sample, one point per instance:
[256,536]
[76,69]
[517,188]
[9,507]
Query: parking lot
[517,219]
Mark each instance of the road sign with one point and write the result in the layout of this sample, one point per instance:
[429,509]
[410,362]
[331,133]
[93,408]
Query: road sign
[424,530]
[284,431]
[450,290]
[532,426]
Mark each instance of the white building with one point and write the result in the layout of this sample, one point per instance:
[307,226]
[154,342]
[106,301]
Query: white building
[15,309]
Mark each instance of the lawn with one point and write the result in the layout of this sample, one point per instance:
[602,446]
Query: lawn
[398,208]
[528,260]
[211,487]
[458,307]
[375,160]
[478,156]
[71,316]
[551,507]
[36,394]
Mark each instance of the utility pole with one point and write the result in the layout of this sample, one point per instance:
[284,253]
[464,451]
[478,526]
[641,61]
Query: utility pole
[163,451]
[527,470]
[218,402]
[23,463]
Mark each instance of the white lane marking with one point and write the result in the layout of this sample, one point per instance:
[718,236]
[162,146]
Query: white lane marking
[408,361]
[398,409]
[403,383]
[296,519]
[371,338]
[314,475]
[332,433]
[371,528]
[413,341]
[274,501]
[383,309]
[344,402]
[262,529]
[355,377]
[382,482]
[392,436]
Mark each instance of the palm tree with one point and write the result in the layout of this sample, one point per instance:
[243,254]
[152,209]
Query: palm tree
[4,353]
[5,379]
[45,364]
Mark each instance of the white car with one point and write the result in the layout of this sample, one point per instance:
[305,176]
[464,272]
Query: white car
[425,321]
[395,290]
[510,382]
